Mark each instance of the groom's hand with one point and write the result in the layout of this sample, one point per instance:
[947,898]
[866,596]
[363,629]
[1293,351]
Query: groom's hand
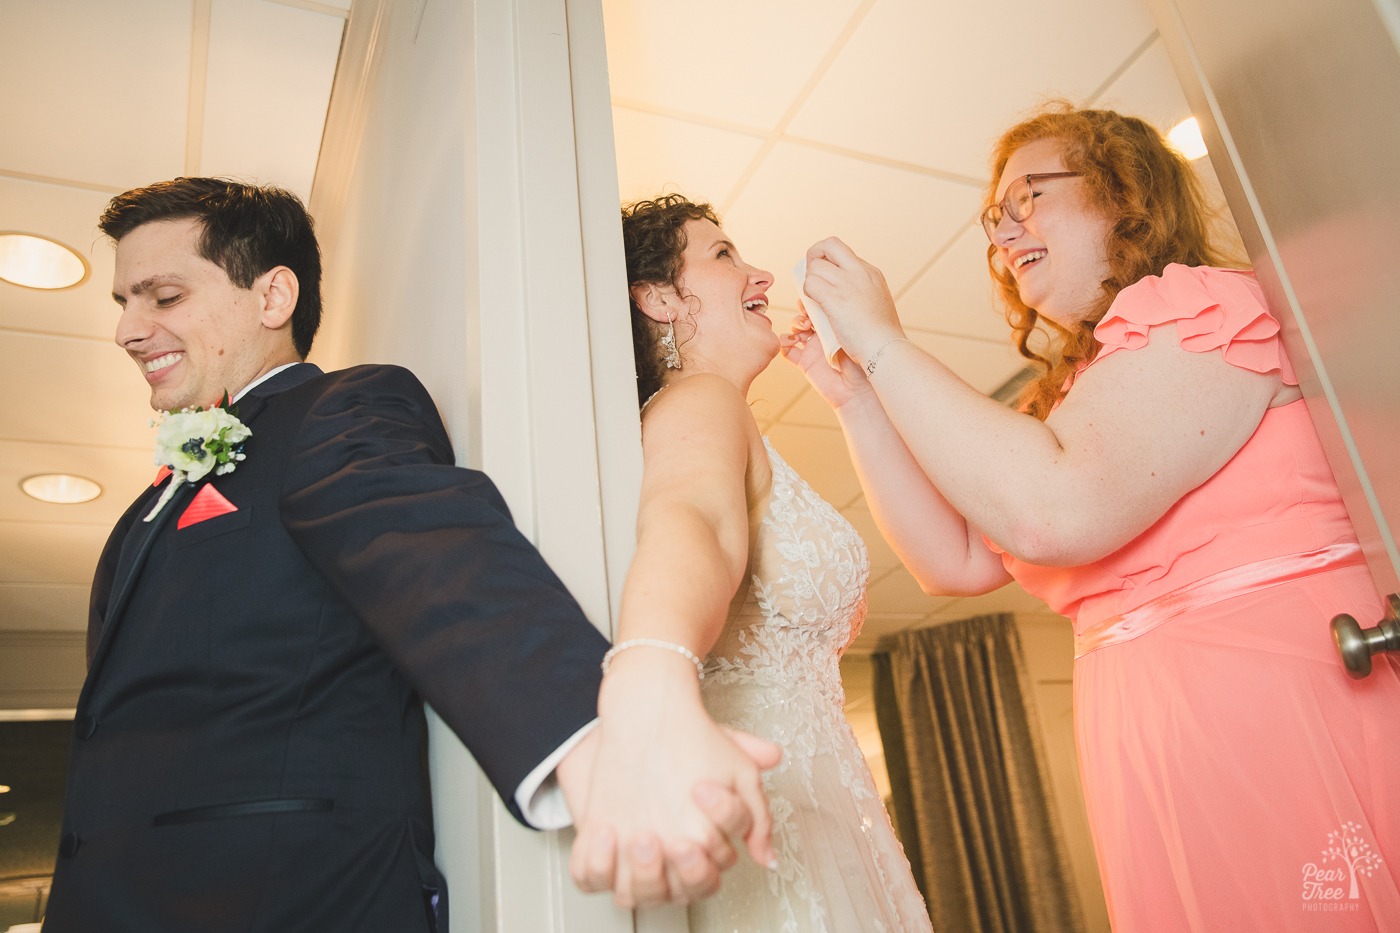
[665,790]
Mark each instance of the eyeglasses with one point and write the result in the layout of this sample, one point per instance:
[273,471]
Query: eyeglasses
[1018,203]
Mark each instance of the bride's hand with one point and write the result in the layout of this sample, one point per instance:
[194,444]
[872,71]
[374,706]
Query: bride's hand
[667,790]
[803,348]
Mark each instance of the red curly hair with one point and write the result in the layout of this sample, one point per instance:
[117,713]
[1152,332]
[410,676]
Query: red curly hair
[1159,216]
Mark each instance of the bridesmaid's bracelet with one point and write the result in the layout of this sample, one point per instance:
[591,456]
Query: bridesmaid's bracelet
[875,357]
[681,650]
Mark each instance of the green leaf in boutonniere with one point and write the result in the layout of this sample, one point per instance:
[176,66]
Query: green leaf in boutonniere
[195,442]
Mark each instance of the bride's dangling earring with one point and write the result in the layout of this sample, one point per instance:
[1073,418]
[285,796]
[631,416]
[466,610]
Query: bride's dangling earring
[668,340]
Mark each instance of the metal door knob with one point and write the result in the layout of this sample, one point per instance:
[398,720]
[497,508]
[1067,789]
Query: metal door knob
[1356,645]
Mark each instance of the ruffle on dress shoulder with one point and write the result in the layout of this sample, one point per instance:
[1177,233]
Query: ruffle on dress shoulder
[1212,309]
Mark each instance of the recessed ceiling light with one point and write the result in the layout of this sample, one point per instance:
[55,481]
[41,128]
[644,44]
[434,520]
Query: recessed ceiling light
[38,262]
[4,788]
[63,488]
[1186,138]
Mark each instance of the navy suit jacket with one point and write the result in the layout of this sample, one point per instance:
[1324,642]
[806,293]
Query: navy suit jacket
[249,750]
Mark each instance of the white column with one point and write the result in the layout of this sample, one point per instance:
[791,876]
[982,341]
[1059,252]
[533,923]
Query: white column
[469,229]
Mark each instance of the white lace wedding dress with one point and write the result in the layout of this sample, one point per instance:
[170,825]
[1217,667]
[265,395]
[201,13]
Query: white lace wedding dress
[774,672]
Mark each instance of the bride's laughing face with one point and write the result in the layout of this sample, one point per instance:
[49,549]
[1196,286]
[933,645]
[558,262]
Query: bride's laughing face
[727,303]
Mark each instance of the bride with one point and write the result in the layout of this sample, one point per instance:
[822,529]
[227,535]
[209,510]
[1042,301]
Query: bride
[745,589]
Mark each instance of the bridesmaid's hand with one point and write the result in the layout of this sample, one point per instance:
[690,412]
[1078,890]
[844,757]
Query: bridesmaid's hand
[855,297]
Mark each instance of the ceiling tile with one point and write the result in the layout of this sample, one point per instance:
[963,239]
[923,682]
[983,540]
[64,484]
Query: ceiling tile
[68,215]
[811,410]
[984,365]
[39,553]
[729,60]
[1009,598]
[121,472]
[819,456]
[897,592]
[955,295]
[269,79]
[99,398]
[1148,88]
[934,83]
[775,389]
[893,218]
[877,626]
[97,91]
[662,155]
[45,607]
[882,556]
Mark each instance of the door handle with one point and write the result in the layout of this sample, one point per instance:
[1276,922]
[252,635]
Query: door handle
[1356,645]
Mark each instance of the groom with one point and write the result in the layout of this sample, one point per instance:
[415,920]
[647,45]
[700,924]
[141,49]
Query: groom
[249,749]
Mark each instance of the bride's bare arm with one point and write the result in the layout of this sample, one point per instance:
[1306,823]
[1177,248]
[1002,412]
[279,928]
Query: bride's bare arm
[935,543]
[656,742]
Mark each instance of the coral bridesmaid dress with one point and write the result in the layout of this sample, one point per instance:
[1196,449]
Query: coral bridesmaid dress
[1236,778]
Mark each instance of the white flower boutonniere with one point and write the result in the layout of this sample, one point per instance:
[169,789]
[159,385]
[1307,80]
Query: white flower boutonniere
[195,442]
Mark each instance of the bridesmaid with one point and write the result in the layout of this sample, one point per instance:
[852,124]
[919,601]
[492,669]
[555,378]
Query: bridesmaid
[1163,487]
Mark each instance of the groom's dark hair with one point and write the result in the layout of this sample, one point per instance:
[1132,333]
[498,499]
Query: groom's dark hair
[248,229]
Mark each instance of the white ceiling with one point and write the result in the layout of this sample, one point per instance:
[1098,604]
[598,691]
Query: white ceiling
[102,97]
[869,119]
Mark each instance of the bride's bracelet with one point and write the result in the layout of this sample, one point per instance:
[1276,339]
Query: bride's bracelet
[681,650]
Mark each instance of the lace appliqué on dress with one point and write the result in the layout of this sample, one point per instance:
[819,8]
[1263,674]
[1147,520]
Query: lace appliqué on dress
[775,672]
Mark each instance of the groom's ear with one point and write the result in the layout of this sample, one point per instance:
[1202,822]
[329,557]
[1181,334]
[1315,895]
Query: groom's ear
[277,291]
[651,299]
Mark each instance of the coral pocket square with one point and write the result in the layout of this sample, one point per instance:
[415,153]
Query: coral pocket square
[207,503]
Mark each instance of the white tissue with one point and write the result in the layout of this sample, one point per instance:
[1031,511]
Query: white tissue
[817,316]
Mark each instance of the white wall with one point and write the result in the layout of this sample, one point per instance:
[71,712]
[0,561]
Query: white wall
[398,231]
[448,200]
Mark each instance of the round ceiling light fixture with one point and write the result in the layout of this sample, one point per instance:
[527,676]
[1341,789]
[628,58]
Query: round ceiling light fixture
[38,262]
[1186,138]
[60,488]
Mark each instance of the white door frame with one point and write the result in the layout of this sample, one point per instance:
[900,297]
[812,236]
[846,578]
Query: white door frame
[530,358]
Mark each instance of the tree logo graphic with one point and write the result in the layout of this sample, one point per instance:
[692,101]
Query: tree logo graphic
[1350,848]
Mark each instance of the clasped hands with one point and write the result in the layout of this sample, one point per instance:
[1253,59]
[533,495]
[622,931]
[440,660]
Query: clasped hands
[659,792]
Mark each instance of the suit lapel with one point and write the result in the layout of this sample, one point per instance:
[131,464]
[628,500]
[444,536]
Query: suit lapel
[136,546]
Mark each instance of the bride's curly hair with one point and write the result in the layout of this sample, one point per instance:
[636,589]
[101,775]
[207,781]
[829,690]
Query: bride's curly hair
[653,238]
[1159,215]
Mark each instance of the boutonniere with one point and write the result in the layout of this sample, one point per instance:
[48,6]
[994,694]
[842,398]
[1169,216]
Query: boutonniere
[194,442]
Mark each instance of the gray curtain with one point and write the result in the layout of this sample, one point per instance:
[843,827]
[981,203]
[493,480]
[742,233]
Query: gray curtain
[971,794]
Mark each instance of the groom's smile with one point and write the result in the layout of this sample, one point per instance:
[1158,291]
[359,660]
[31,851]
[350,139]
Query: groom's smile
[194,333]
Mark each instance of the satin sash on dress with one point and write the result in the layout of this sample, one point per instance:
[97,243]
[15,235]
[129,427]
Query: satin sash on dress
[1237,581]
